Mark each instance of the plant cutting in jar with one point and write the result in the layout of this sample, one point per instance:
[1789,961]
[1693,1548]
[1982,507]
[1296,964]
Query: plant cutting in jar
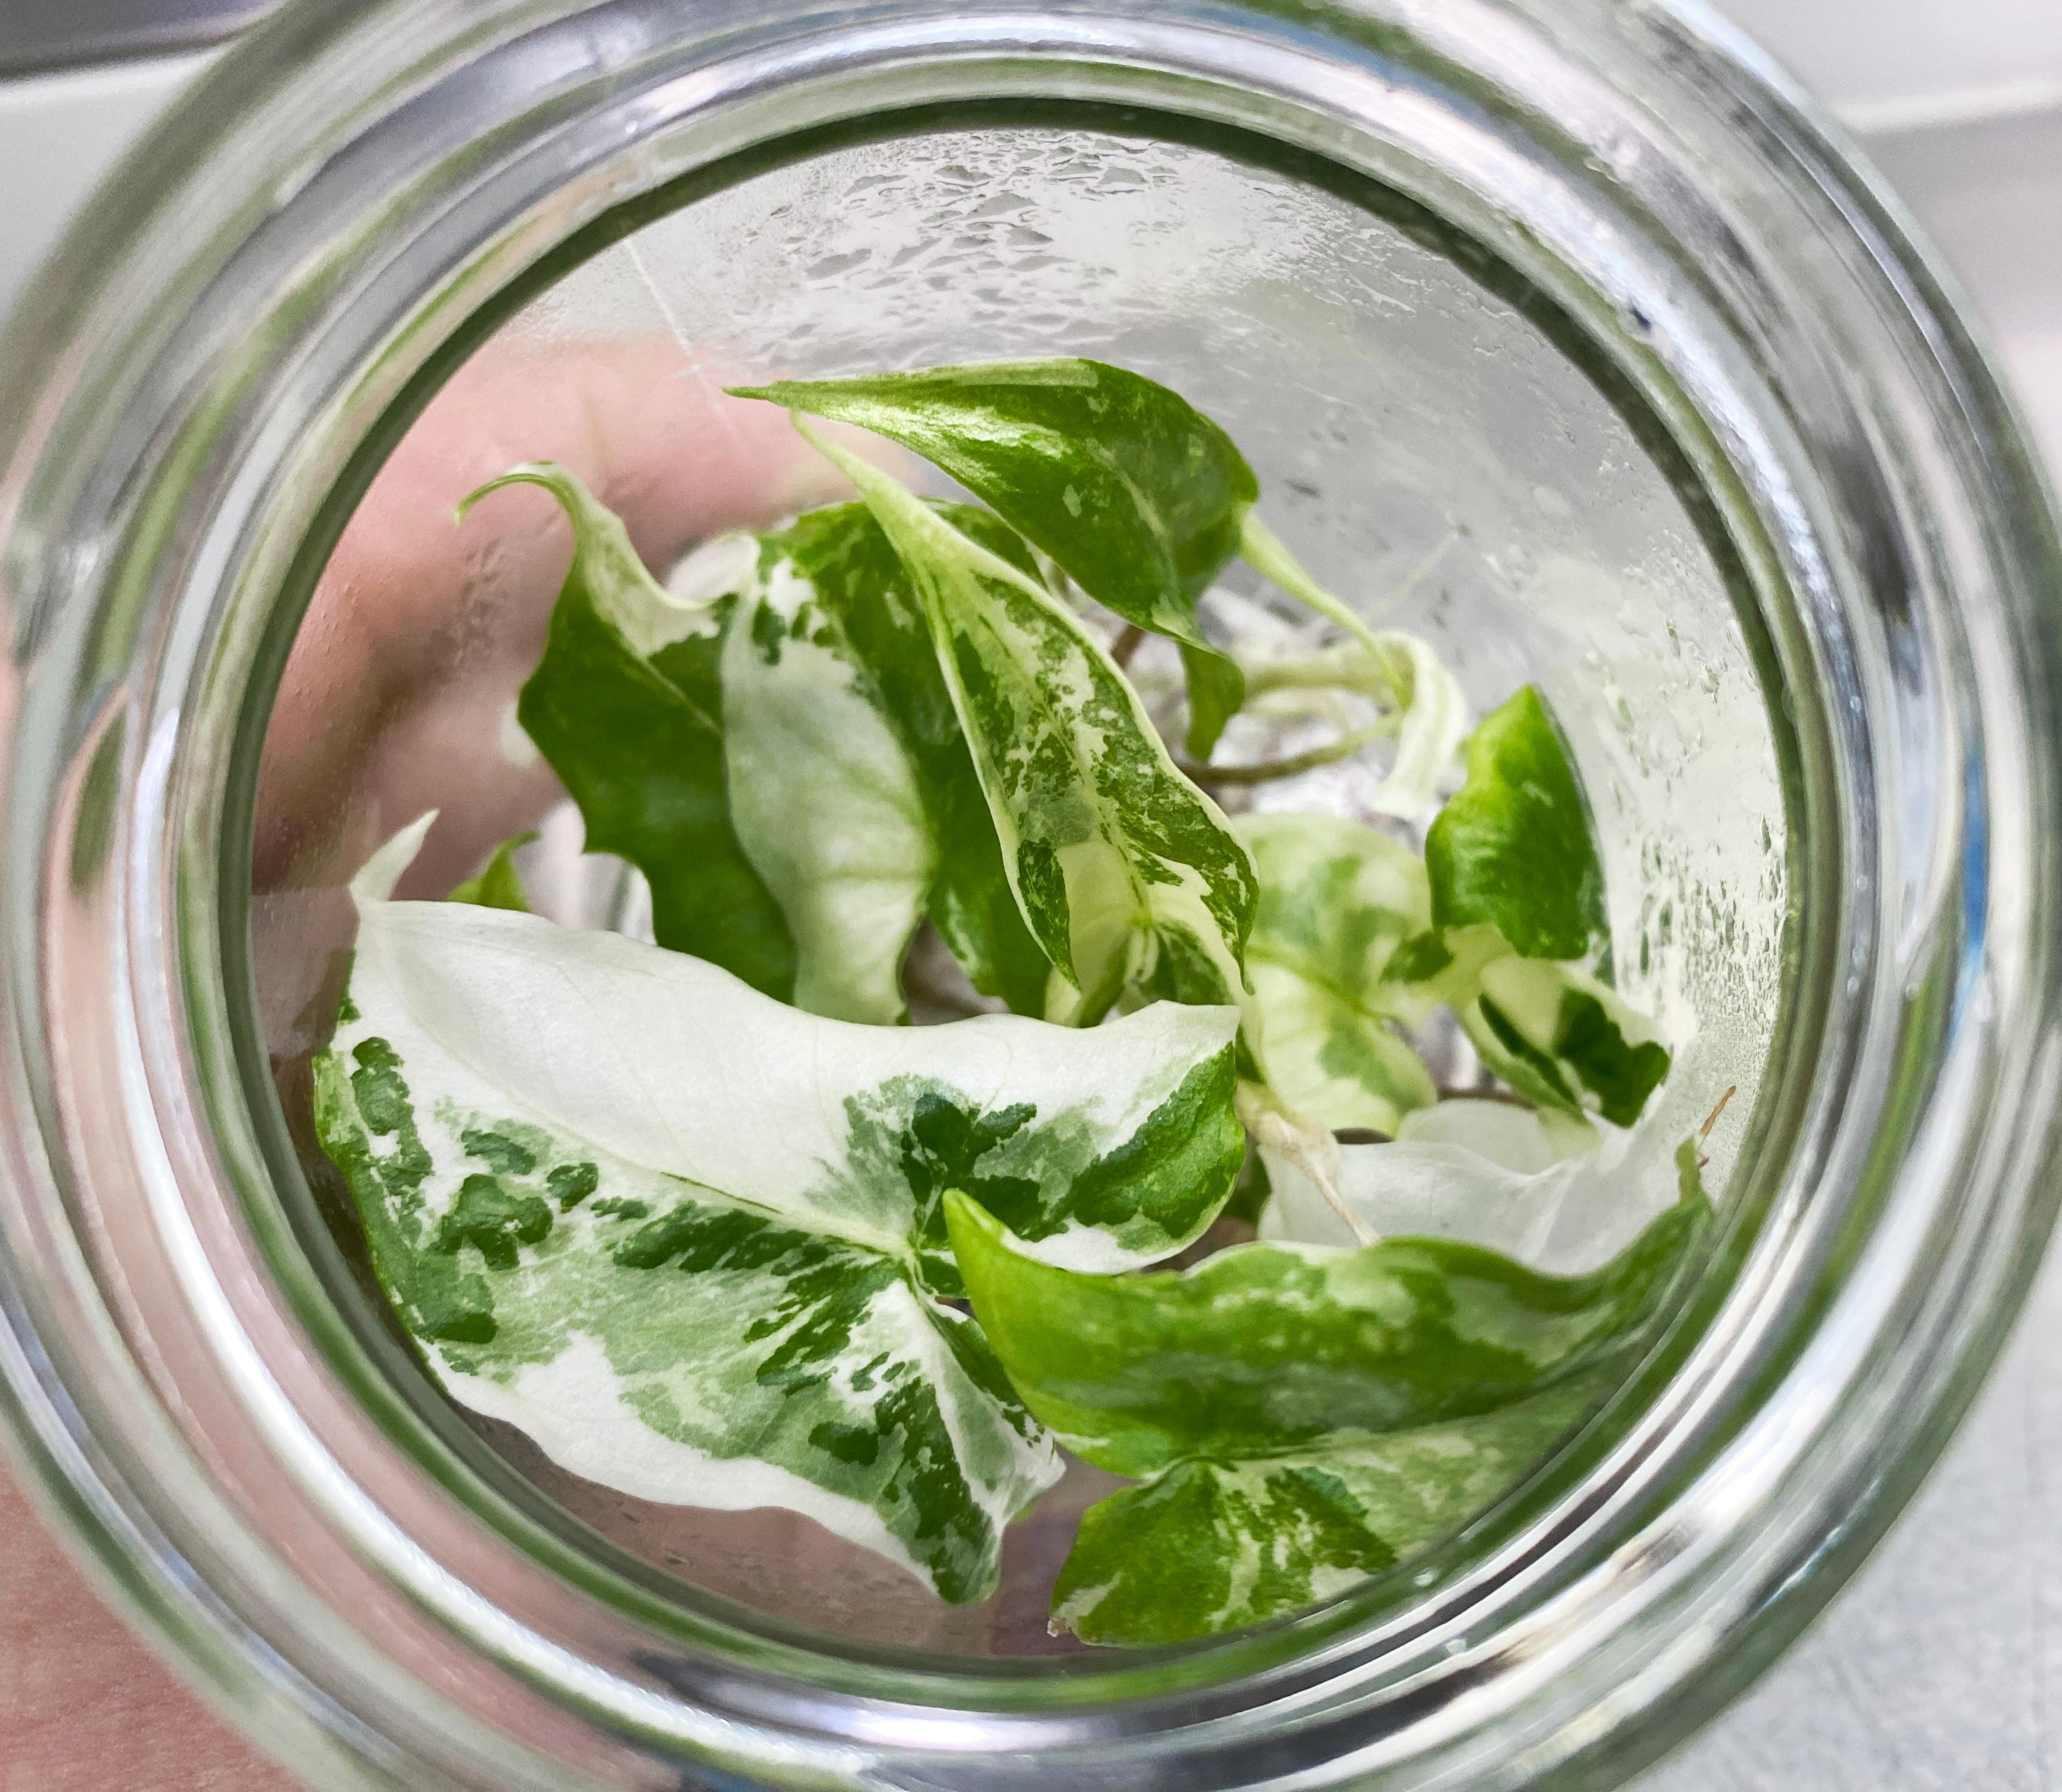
[714,1225]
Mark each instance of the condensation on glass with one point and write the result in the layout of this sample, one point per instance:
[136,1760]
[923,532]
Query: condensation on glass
[1562,335]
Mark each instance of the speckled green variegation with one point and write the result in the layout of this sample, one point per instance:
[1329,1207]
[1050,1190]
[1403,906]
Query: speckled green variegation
[1210,1545]
[1307,1415]
[1134,493]
[1128,875]
[1337,899]
[689,1238]
[779,755]
[856,579]
[1263,1348]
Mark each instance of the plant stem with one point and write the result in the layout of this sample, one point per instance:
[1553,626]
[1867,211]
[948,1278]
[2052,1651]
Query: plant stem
[1343,668]
[1345,747]
[1268,555]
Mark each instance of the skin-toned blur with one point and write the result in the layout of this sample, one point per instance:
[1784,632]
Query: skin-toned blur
[417,640]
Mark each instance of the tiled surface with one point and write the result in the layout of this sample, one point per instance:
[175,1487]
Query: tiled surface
[1934,1670]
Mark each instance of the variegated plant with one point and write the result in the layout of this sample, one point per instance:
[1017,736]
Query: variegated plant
[702,1218]
[1288,1404]
[1337,900]
[1521,947]
[690,1239]
[778,755]
[1141,500]
[1130,877]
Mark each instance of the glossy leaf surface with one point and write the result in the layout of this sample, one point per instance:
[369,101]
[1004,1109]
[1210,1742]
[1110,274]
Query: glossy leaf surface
[1134,493]
[1512,849]
[688,1238]
[627,705]
[1565,1040]
[1264,1347]
[1211,1545]
[1126,874]
[822,796]
[858,578]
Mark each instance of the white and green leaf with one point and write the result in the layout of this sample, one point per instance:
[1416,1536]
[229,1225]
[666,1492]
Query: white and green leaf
[627,705]
[858,579]
[1556,1198]
[1131,491]
[1267,1347]
[1127,875]
[1211,1545]
[1336,899]
[1565,1040]
[823,795]
[543,1127]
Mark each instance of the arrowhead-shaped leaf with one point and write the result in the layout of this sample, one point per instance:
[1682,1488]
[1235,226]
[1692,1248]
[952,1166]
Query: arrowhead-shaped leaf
[689,1238]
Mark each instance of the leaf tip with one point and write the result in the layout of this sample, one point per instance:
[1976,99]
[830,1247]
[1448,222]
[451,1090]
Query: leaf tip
[377,877]
[546,473]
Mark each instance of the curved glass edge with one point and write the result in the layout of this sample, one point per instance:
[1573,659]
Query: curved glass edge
[361,1343]
[2037,1225]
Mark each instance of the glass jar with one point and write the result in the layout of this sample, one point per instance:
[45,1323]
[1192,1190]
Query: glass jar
[1580,297]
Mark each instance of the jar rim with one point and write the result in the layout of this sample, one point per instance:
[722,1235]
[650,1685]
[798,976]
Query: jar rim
[150,535]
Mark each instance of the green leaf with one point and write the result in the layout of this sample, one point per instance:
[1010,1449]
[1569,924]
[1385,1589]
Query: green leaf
[688,1238]
[626,704]
[1121,866]
[500,885]
[839,776]
[1554,1197]
[1514,848]
[822,793]
[1263,1348]
[1564,1039]
[1336,899]
[1212,1546]
[1135,494]
[858,578]
[1216,692]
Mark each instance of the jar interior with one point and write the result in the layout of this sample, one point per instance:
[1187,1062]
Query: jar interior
[1439,443]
